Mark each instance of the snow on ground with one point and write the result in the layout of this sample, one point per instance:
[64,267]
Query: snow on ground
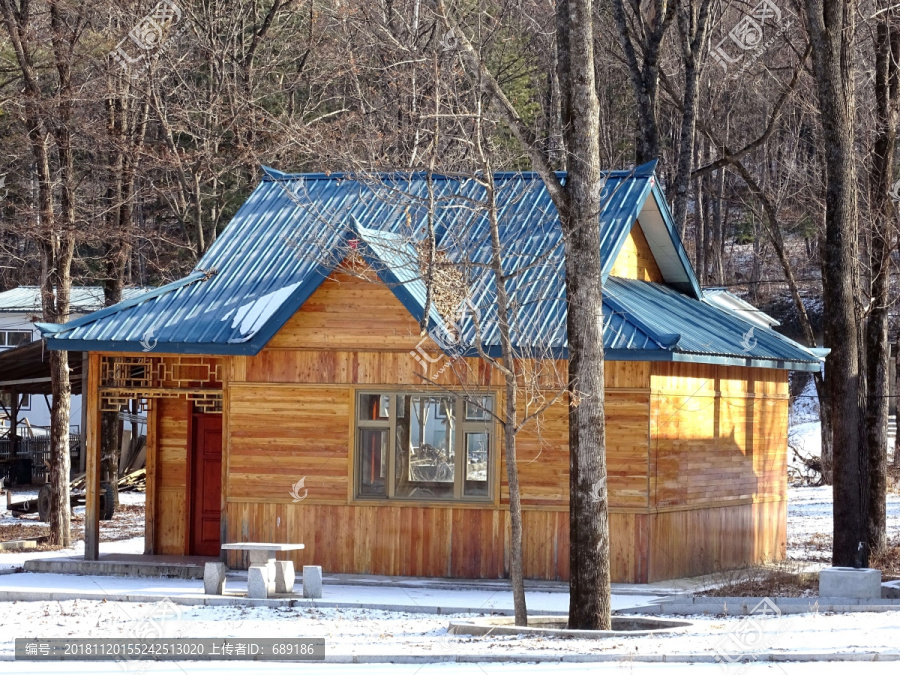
[805,407]
[373,632]
[122,534]
[810,525]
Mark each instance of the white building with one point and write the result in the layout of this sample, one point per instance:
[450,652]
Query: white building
[19,309]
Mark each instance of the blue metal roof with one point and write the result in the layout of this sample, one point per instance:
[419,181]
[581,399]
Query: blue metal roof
[295,229]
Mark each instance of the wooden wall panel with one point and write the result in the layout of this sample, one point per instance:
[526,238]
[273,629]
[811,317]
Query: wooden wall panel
[635,260]
[696,457]
[279,435]
[426,541]
[171,500]
[701,541]
[474,543]
[715,438]
[349,312]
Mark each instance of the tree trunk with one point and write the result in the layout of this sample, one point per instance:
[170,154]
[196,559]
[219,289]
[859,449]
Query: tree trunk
[578,205]
[643,71]
[887,51]
[511,389]
[692,25]
[589,570]
[831,26]
[827,431]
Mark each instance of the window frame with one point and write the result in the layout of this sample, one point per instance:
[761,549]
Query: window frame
[6,333]
[463,427]
[24,401]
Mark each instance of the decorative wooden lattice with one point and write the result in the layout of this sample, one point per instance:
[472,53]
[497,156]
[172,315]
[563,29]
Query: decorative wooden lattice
[125,378]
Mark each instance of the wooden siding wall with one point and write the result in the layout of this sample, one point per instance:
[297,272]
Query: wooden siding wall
[696,458]
[281,432]
[635,260]
[718,467]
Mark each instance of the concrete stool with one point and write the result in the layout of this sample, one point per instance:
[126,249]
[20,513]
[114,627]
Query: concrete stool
[312,581]
[849,582]
[214,578]
[258,581]
[284,576]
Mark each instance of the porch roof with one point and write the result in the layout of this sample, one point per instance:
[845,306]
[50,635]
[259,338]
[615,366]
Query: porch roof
[26,369]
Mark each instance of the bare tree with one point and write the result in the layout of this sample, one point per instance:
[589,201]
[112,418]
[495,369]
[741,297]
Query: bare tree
[832,32]
[47,111]
[883,241]
[641,32]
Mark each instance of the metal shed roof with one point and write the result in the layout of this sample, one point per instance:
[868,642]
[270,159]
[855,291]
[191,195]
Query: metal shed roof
[83,299]
[294,229]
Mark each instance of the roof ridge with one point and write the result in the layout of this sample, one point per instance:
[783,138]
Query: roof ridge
[667,341]
[274,175]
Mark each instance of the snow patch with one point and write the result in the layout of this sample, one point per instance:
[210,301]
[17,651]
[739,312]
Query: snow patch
[805,407]
[251,316]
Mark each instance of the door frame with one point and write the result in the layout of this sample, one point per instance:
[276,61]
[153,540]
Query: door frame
[189,476]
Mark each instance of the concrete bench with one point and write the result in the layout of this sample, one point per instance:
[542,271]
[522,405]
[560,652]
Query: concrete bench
[265,576]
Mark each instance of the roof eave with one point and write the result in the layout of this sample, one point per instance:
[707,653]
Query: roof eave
[248,348]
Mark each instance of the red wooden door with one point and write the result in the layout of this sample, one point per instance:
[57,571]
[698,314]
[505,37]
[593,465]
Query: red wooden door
[206,485]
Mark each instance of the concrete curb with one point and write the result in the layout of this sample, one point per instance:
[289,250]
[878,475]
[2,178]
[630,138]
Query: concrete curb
[113,568]
[545,626]
[201,600]
[740,606]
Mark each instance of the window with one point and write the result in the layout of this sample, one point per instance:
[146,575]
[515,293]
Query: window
[421,446]
[14,338]
[6,400]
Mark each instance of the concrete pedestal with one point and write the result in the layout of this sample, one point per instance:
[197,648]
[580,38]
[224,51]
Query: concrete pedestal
[284,576]
[214,578]
[258,582]
[849,582]
[890,589]
[312,581]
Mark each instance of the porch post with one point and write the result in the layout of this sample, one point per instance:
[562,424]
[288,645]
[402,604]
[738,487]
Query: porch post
[90,400]
[82,456]
[152,446]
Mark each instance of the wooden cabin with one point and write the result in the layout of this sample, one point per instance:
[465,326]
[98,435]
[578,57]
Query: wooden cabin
[291,398]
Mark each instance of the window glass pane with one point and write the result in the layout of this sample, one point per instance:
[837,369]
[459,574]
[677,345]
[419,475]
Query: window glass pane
[477,453]
[374,407]
[2,339]
[14,338]
[372,457]
[426,457]
[479,408]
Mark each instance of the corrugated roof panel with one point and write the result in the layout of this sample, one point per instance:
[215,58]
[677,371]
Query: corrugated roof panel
[703,328]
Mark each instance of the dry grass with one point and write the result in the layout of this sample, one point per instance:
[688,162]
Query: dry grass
[893,478]
[21,531]
[888,561]
[127,522]
[786,579]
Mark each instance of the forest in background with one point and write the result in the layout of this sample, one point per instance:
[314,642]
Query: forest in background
[166,149]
